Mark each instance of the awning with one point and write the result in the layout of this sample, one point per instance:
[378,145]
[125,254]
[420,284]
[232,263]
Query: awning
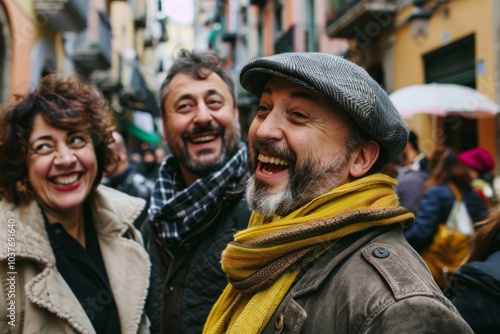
[443,100]
[138,96]
[137,132]
[213,34]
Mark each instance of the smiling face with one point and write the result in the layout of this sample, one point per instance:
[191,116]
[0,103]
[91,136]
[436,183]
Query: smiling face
[61,166]
[298,149]
[200,123]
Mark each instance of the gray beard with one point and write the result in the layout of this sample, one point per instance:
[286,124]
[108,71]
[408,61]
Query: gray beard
[306,183]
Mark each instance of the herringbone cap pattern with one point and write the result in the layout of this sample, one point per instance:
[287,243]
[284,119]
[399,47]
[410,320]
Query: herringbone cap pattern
[346,84]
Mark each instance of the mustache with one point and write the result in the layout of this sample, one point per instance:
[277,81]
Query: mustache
[201,130]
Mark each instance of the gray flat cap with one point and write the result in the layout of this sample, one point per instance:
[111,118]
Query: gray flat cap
[343,82]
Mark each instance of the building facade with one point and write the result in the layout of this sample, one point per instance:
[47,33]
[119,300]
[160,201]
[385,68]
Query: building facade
[109,44]
[409,42]
[457,47]
[399,42]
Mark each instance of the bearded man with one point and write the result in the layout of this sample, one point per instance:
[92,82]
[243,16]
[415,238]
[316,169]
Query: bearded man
[325,251]
[198,200]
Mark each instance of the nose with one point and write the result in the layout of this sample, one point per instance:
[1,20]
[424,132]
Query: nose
[270,127]
[65,157]
[203,115]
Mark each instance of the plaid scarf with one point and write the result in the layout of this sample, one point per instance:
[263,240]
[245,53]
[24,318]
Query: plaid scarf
[175,210]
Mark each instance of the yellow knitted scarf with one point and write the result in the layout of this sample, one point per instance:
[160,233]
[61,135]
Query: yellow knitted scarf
[263,261]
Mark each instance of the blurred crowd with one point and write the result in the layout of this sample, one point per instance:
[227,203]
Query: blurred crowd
[428,185]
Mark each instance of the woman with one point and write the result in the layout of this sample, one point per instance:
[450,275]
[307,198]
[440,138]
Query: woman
[445,175]
[71,260]
[479,164]
[475,288]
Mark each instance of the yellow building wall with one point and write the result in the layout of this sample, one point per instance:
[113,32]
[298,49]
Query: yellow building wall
[122,44]
[27,31]
[23,34]
[451,22]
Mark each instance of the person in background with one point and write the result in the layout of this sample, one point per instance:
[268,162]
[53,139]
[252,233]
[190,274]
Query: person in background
[80,266]
[198,202]
[124,177]
[479,163]
[416,159]
[149,165]
[412,176]
[324,251]
[160,155]
[445,173]
[135,159]
[475,288]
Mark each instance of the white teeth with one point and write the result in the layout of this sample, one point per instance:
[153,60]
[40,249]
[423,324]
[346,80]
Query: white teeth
[65,180]
[202,139]
[272,160]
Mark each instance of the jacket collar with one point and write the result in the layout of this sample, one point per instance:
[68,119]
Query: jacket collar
[116,211]
[27,227]
[126,262]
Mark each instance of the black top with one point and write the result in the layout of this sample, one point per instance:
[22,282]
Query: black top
[475,292]
[84,271]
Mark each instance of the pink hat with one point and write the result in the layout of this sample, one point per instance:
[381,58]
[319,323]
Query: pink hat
[477,158]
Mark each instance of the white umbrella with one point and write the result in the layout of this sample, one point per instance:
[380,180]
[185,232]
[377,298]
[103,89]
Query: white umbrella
[442,100]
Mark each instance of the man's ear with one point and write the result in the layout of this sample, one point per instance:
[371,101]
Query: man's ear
[364,158]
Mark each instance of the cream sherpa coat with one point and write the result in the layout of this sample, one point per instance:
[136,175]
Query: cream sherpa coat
[44,303]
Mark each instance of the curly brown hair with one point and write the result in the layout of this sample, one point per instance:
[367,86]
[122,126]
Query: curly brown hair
[65,103]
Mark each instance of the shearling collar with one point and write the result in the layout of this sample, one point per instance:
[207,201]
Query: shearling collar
[113,213]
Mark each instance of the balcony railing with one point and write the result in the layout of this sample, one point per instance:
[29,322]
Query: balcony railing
[258,2]
[138,96]
[93,50]
[351,18]
[139,10]
[62,15]
[286,42]
[163,30]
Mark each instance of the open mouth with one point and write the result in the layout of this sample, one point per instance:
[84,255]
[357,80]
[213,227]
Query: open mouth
[66,180]
[272,165]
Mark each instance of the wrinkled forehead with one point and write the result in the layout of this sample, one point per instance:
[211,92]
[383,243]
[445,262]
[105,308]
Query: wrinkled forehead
[295,91]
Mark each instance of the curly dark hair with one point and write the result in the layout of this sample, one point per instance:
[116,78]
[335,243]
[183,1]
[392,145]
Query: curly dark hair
[65,103]
[200,64]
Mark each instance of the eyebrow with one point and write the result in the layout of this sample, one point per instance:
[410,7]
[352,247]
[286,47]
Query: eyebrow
[184,97]
[214,92]
[189,96]
[46,137]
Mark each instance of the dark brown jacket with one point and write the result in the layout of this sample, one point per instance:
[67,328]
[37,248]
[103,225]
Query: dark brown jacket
[370,283]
